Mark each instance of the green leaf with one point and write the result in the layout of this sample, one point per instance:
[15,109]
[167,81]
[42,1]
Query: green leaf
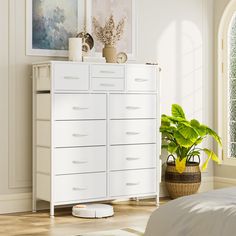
[165,121]
[211,155]
[164,146]
[195,123]
[200,129]
[172,147]
[177,111]
[168,129]
[214,135]
[182,141]
[188,133]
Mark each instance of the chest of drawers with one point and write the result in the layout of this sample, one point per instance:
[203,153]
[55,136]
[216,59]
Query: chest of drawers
[95,132]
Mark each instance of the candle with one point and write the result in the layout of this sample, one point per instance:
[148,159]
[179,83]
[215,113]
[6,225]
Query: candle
[75,49]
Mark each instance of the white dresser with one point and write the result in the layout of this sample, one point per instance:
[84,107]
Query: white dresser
[95,132]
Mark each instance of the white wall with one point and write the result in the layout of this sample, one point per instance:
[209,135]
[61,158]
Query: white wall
[177,34]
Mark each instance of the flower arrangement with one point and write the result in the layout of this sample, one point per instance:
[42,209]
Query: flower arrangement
[111,33]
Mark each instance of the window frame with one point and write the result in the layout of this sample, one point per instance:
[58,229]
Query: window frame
[223,79]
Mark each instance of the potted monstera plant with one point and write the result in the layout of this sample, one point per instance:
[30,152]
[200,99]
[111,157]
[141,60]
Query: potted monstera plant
[182,139]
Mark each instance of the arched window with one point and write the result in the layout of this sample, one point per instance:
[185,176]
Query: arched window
[227,83]
[231,88]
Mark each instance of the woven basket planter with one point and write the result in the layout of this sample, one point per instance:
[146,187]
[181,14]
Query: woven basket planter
[187,183]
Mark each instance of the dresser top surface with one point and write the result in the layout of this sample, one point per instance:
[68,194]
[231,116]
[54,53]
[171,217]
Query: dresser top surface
[91,63]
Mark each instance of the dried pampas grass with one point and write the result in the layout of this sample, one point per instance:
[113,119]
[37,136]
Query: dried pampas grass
[110,34]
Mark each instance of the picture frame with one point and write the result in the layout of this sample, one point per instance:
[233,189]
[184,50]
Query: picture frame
[131,50]
[35,48]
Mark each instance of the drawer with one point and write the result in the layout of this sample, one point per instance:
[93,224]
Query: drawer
[79,106]
[71,77]
[141,78]
[79,187]
[43,81]
[107,84]
[79,160]
[43,108]
[132,182]
[79,133]
[133,157]
[132,131]
[107,71]
[132,106]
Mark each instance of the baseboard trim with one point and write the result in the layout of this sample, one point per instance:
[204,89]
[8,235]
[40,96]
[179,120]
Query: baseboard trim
[220,182]
[21,202]
[206,185]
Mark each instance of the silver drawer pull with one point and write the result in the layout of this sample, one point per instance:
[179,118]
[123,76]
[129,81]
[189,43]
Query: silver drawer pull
[132,158]
[79,189]
[71,77]
[80,108]
[79,135]
[132,108]
[132,133]
[107,72]
[133,184]
[140,80]
[79,162]
[107,85]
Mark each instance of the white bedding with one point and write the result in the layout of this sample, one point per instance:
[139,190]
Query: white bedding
[205,214]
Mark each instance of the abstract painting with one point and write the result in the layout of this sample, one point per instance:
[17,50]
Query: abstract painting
[50,24]
[101,10]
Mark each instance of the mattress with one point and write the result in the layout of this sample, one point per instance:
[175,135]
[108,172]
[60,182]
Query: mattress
[206,214]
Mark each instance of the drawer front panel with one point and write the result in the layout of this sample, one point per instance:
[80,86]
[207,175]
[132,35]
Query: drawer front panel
[133,182]
[132,106]
[107,84]
[79,133]
[107,71]
[141,78]
[79,187]
[132,157]
[132,131]
[80,160]
[43,82]
[71,77]
[79,106]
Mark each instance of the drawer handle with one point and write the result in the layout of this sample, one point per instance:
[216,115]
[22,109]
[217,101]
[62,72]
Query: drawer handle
[140,80]
[132,108]
[132,158]
[79,135]
[132,133]
[133,184]
[107,85]
[79,162]
[79,189]
[80,108]
[71,77]
[107,72]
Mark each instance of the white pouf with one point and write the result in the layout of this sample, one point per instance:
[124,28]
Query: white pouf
[92,211]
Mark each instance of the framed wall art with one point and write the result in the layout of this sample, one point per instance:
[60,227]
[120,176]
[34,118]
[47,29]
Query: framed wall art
[49,25]
[102,10]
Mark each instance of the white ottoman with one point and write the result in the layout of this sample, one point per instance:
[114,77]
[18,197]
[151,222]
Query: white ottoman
[92,211]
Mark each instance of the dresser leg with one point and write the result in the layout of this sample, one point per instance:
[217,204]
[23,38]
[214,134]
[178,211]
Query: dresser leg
[157,201]
[34,206]
[51,210]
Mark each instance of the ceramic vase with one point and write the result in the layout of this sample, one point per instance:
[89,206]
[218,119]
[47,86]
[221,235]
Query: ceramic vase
[109,52]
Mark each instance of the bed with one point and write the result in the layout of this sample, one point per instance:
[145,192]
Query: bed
[206,214]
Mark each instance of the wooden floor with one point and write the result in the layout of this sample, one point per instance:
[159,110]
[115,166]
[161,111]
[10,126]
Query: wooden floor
[127,214]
